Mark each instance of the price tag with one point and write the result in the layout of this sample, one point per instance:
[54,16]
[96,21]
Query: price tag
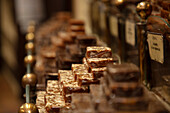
[113,25]
[130,32]
[156,47]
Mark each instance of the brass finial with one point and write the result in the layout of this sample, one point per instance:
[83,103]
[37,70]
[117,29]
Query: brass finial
[28,108]
[30,37]
[29,59]
[31,27]
[144,9]
[30,79]
[29,46]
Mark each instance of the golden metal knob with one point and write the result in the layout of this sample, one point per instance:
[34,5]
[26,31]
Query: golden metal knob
[28,108]
[30,79]
[30,36]
[29,59]
[144,9]
[29,46]
[31,27]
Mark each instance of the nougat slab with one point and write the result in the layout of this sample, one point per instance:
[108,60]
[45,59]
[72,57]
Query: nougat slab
[86,79]
[73,87]
[78,67]
[99,62]
[54,103]
[63,74]
[126,89]
[123,72]
[98,72]
[98,52]
[86,40]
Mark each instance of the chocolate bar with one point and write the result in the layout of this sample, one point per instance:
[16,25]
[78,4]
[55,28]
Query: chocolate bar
[86,40]
[129,89]
[54,103]
[98,72]
[73,87]
[74,52]
[98,52]
[76,22]
[86,79]
[65,76]
[98,62]
[53,87]
[123,72]
[75,28]
[79,69]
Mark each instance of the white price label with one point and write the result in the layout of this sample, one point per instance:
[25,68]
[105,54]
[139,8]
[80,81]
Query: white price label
[114,25]
[130,32]
[156,47]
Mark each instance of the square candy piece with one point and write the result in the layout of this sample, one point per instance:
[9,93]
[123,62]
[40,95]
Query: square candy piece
[78,67]
[125,72]
[98,52]
[73,87]
[65,74]
[86,79]
[54,103]
[99,62]
[98,72]
[86,40]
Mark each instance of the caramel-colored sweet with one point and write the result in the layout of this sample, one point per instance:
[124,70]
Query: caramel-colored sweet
[86,40]
[123,72]
[76,22]
[73,87]
[98,52]
[54,103]
[86,79]
[98,72]
[98,62]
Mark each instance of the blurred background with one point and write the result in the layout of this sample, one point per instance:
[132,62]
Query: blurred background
[15,15]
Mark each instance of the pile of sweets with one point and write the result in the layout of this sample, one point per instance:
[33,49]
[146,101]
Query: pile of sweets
[59,90]
[99,85]
[60,42]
